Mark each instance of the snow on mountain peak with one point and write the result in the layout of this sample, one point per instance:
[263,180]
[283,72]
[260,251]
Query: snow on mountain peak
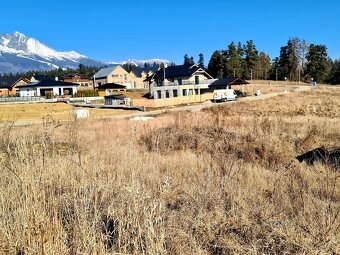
[20,44]
[21,53]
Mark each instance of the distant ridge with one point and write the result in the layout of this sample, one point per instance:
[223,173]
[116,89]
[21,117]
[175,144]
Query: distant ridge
[19,53]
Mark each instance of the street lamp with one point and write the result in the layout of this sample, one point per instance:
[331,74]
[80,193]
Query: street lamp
[164,66]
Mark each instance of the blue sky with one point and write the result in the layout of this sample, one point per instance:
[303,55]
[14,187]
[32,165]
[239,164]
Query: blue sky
[119,30]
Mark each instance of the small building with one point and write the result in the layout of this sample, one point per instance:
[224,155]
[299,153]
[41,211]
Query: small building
[8,85]
[110,88]
[226,83]
[48,88]
[115,100]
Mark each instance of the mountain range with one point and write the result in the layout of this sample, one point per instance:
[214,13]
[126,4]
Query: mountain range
[19,53]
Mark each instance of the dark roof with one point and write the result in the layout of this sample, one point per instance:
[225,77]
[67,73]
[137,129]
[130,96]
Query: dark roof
[179,71]
[119,97]
[40,77]
[8,82]
[70,76]
[49,83]
[138,70]
[111,86]
[223,82]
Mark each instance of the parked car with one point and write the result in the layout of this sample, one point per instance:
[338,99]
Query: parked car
[239,93]
[224,95]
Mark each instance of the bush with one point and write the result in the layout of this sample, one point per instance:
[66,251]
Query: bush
[86,93]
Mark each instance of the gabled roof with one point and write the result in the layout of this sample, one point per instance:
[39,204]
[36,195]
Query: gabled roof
[111,86]
[39,77]
[228,81]
[104,72]
[49,83]
[116,97]
[70,76]
[139,70]
[180,71]
[9,82]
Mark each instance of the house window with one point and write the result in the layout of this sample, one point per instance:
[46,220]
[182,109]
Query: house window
[184,92]
[190,92]
[197,80]
[135,84]
[159,94]
[167,94]
[175,93]
[179,81]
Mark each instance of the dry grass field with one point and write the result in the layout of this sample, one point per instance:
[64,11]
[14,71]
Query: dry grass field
[221,181]
[35,112]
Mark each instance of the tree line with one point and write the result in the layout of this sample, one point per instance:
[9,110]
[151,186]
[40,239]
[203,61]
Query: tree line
[85,71]
[298,61]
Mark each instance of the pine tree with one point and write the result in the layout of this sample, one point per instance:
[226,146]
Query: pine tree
[251,57]
[186,59]
[216,65]
[262,67]
[201,60]
[318,63]
[335,72]
[233,61]
[192,61]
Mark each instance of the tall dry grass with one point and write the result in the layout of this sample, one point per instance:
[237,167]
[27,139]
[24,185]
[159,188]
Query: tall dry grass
[222,181]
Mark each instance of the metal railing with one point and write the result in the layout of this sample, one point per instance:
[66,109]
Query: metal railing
[19,99]
[186,82]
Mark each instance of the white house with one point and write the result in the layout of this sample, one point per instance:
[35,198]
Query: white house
[47,87]
[176,81]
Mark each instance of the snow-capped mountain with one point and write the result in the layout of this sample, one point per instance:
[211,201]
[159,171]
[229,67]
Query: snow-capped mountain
[142,62]
[19,53]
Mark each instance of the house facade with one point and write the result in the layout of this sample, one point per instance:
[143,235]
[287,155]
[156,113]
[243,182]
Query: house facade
[83,82]
[117,75]
[8,85]
[109,89]
[47,88]
[177,81]
[141,74]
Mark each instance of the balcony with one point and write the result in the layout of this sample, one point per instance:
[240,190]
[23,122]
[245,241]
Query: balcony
[204,83]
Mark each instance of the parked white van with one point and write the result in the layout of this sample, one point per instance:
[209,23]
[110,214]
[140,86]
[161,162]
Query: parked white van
[224,95]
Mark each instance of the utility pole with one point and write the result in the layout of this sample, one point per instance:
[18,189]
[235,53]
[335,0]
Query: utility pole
[276,75]
[299,79]
[251,79]
[165,91]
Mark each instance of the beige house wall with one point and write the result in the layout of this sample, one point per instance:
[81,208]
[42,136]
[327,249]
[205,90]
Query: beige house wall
[13,91]
[120,76]
[4,92]
[170,102]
